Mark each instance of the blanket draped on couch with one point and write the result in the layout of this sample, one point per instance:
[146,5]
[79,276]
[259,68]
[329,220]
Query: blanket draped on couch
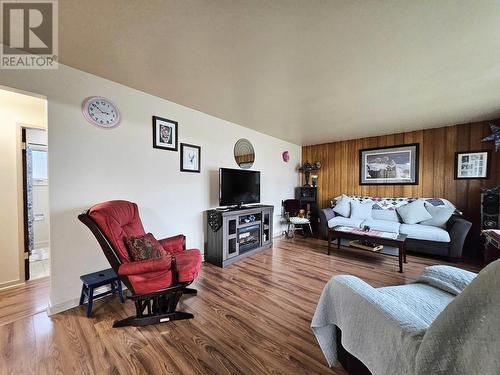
[447,335]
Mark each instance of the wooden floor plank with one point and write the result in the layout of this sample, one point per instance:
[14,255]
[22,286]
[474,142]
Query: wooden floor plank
[35,299]
[251,318]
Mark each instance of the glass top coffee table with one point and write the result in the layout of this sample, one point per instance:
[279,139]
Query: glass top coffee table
[380,238]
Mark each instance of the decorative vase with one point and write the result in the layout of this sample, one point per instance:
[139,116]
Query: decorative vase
[307,175]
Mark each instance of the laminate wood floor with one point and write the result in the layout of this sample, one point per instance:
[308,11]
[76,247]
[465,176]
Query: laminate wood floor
[250,318]
[24,300]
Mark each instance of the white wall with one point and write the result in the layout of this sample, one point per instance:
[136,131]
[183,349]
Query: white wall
[15,109]
[89,165]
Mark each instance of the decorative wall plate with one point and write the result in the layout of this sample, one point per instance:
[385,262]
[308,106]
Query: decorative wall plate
[101,112]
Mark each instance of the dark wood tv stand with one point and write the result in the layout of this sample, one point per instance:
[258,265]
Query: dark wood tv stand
[234,234]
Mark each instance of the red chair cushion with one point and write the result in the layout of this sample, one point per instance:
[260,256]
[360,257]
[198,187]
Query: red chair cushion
[151,282]
[117,220]
[145,266]
[174,244]
[188,267]
[144,247]
[188,264]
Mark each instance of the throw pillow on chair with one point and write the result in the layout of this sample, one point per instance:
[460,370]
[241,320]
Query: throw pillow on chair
[144,247]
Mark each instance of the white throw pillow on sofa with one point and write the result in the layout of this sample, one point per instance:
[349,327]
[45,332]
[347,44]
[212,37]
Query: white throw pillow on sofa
[343,207]
[387,214]
[440,215]
[414,212]
[361,210]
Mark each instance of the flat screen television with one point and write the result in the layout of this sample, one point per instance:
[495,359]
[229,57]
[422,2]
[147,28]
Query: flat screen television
[238,187]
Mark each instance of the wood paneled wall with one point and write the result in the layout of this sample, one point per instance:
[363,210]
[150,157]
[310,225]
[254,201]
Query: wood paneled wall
[340,166]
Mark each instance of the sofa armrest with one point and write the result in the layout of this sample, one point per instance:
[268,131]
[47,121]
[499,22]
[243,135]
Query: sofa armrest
[324,214]
[370,322]
[354,290]
[174,244]
[145,266]
[458,228]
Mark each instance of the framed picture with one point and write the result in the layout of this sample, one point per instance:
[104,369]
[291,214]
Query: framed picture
[395,165]
[190,158]
[472,164]
[165,134]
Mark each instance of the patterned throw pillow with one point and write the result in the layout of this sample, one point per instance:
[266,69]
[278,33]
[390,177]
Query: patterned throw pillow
[144,247]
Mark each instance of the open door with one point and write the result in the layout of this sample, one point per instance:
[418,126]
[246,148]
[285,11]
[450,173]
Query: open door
[26,211]
[35,202]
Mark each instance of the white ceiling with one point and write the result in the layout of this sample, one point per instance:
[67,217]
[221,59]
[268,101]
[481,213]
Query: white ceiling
[307,71]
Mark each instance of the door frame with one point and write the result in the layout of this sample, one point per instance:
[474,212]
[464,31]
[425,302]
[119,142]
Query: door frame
[22,198]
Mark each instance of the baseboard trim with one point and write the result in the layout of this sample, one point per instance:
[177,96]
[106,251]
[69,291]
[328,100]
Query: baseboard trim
[60,307]
[74,302]
[11,284]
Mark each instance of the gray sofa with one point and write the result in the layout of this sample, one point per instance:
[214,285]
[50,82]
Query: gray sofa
[425,239]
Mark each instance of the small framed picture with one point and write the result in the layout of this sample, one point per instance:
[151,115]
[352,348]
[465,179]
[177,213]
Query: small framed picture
[190,158]
[472,165]
[165,133]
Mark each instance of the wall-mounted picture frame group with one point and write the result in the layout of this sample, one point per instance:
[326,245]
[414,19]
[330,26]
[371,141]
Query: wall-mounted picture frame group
[190,158]
[166,137]
[165,134]
[472,165]
[395,165]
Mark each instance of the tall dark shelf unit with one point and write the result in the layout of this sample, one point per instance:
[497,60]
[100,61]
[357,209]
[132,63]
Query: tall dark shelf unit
[490,209]
[308,197]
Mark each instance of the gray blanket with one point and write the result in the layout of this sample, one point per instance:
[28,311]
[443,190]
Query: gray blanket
[391,334]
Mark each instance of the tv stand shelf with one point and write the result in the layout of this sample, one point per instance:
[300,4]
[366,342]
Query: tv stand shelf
[237,233]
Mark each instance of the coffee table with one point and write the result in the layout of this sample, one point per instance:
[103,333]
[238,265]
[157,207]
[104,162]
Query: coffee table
[381,238]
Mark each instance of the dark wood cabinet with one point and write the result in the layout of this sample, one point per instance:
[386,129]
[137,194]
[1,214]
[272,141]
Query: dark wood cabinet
[308,198]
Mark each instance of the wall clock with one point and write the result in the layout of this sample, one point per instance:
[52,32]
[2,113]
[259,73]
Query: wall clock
[101,112]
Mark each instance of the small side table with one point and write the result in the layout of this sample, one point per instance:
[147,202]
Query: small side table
[95,280]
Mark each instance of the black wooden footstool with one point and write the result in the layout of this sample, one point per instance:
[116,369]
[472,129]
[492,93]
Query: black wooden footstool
[93,281]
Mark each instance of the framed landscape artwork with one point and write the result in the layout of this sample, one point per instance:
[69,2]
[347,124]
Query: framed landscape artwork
[395,165]
[190,158]
[472,165]
[165,134]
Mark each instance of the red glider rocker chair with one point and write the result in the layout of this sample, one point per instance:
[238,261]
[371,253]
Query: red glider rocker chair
[156,284]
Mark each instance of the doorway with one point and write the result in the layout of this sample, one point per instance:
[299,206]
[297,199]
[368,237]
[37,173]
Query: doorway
[36,203]
[19,110]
